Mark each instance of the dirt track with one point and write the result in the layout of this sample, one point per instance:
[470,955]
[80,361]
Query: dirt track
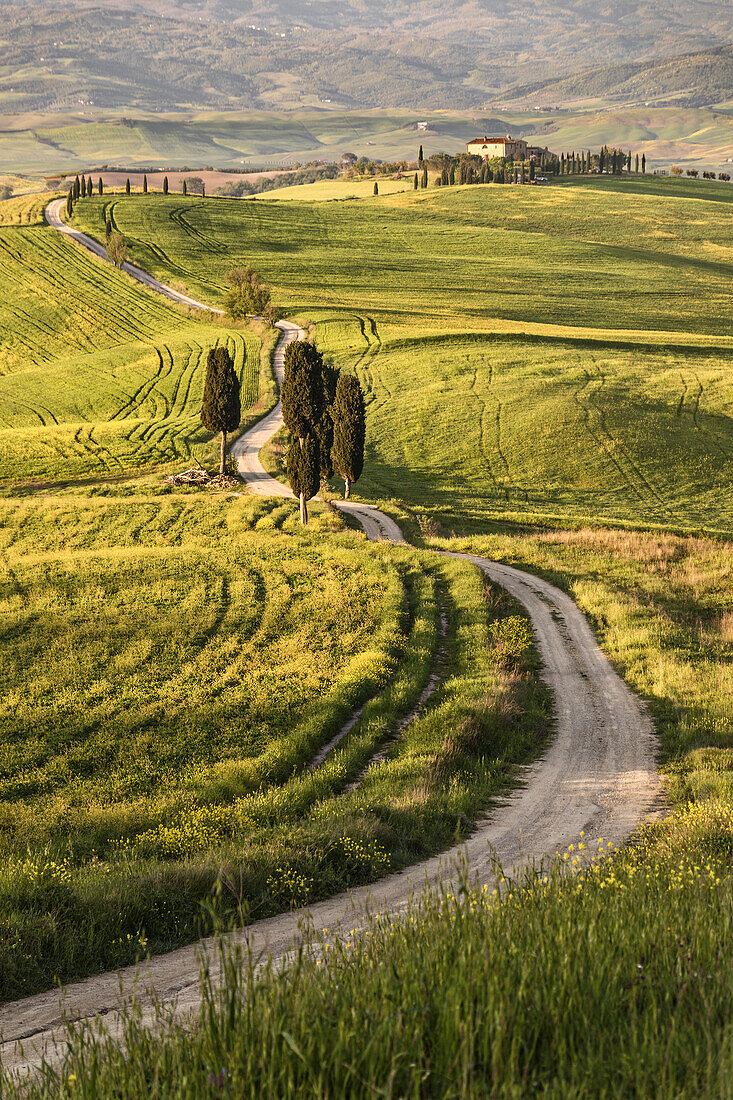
[598,776]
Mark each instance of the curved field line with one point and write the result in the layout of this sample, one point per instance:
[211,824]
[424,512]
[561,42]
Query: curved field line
[597,776]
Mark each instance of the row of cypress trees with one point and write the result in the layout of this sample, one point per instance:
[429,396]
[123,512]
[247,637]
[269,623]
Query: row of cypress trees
[322,408]
[613,161]
[166,186]
[84,188]
[324,412]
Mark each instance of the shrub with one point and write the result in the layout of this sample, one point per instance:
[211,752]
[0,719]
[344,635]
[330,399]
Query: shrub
[512,637]
[247,295]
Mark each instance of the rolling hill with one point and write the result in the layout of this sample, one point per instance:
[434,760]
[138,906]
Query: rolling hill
[255,55]
[691,80]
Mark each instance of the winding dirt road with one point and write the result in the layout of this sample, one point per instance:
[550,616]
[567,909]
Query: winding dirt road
[53,217]
[598,776]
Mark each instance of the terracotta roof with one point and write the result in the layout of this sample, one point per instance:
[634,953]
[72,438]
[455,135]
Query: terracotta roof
[494,141]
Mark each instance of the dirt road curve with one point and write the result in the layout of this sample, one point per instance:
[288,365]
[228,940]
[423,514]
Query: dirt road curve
[598,776]
[53,217]
[246,450]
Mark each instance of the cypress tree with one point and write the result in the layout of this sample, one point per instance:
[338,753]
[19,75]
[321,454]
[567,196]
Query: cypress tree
[324,427]
[420,158]
[108,229]
[165,185]
[602,159]
[221,410]
[637,164]
[588,161]
[643,164]
[629,162]
[69,203]
[304,470]
[425,176]
[531,170]
[145,185]
[77,188]
[524,173]
[452,175]
[349,430]
[562,164]
[376,188]
[127,186]
[203,190]
[302,405]
[416,182]
[101,186]
[184,187]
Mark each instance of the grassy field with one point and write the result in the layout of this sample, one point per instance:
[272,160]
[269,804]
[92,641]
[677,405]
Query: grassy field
[546,981]
[97,375]
[570,347]
[172,665]
[80,140]
[533,359]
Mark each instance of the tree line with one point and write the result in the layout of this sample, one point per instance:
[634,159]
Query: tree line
[323,410]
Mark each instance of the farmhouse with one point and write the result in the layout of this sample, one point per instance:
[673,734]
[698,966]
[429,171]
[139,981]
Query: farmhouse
[509,147]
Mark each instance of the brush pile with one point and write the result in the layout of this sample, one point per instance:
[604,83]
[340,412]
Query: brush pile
[198,476]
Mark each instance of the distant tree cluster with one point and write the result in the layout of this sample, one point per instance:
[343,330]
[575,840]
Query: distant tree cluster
[324,412]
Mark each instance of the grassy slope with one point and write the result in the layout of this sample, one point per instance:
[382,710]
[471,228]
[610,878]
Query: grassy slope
[658,929]
[56,142]
[98,375]
[611,397]
[173,663]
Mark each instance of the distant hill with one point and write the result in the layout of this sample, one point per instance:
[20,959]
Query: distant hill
[431,54]
[692,80]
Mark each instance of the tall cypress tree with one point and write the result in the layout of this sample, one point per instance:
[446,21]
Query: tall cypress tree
[324,427]
[376,188]
[183,187]
[165,185]
[70,203]
[145,185]
[349,431]
[417,184]
[602,159]
[425,176]
[203,190]
[629,162]
[101,186]
[420,158]
[304,470]
[643,164]
[637,164]
[127,186]
[302,405]
[221,410]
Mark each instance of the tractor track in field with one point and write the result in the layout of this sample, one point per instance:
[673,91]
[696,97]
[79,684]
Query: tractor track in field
[597,776]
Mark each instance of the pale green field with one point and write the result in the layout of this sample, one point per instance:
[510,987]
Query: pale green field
[56,142]
[560,351]
[342,189]
[98,376]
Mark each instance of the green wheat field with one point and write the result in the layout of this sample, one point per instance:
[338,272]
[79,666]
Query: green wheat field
[548,374]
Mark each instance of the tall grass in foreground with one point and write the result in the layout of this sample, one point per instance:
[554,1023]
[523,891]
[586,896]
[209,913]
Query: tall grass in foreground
[608,975]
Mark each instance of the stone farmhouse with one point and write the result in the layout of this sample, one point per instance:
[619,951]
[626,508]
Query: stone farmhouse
[509,147]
